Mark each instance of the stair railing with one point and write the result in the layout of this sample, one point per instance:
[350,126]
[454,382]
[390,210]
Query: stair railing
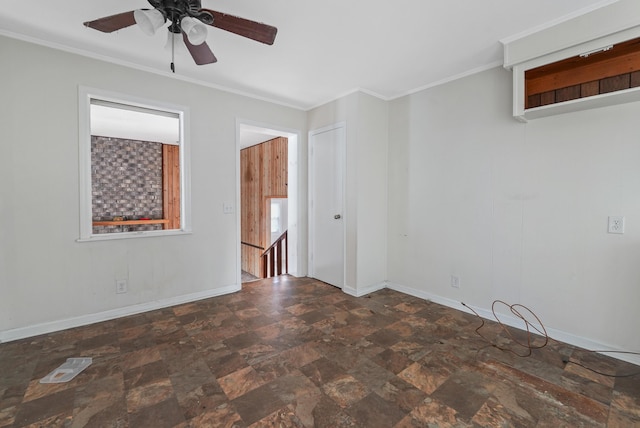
[274,258]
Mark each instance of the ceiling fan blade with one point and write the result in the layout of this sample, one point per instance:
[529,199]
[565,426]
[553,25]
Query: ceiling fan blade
[112,23]
[257,31]
[201,53]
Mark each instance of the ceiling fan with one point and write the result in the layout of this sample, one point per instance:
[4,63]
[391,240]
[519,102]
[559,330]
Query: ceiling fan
[187,17]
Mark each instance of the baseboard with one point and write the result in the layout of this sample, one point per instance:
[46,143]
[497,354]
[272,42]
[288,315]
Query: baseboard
[363,291]
[50,327]
[427,296]
[571,339]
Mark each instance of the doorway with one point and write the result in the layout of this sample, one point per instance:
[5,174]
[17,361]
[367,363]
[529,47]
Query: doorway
[288,211]
[326,204]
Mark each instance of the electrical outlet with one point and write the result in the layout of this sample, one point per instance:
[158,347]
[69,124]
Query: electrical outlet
[455,281]
[616,224]
[227,207]
[121,286]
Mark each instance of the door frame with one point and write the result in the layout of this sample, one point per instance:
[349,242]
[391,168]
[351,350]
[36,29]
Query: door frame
[296,195]
[343,157]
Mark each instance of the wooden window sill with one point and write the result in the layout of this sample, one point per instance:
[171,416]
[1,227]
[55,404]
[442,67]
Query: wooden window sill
[130,222]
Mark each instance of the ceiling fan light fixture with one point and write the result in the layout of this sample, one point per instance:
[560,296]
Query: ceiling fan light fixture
[189,21]
[149,20]
[195,30]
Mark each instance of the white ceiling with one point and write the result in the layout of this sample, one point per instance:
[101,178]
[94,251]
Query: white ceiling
[252,135]
[323,50]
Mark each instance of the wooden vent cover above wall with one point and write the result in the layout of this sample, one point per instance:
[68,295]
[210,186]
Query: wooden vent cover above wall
[609,69]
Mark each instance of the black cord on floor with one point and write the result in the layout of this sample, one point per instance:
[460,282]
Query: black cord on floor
[517,309]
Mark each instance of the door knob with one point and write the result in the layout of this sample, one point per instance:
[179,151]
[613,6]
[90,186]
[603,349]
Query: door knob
[337,216]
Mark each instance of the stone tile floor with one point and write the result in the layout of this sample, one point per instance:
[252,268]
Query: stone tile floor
[289,352]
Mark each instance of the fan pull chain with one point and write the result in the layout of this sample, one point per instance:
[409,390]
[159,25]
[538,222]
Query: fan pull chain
[173,43]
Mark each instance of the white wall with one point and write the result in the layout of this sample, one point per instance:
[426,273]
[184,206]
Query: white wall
[518,211]
[371,192]
[366,120]
[46,276]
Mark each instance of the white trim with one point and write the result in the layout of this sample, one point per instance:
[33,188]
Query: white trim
[167,74]
[84,160]
[139,67]
[347,93]
[305,108]
[52,326]
[363,291]
[185,169]
[449,79]
[343,169]
[350,291]
[480,69]
[518,93]
[557,21]
[571,339]
[85,94]
[133,235]
[427,296]
[238,196]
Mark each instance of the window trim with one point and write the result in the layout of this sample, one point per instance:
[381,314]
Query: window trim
[85,94]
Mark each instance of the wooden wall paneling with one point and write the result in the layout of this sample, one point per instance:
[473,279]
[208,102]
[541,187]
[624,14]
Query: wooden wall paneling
[251,260]
[244,211]
[618,51]
[250,186]
[547,98]
[590,89]
[165,185]
[250,182]
[265,189]
[581,76]
[263,172]
[568,93]
[533,101]
[283,176]
[171,185]
[278,173]
[615,83]
[244,192]
[581,70]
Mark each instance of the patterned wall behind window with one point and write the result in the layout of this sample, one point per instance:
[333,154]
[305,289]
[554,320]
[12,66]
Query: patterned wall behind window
[126,180]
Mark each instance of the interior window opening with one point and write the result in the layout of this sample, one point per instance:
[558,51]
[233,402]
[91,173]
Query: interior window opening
[134,178]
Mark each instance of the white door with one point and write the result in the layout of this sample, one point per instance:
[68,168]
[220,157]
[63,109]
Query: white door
[326,190]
